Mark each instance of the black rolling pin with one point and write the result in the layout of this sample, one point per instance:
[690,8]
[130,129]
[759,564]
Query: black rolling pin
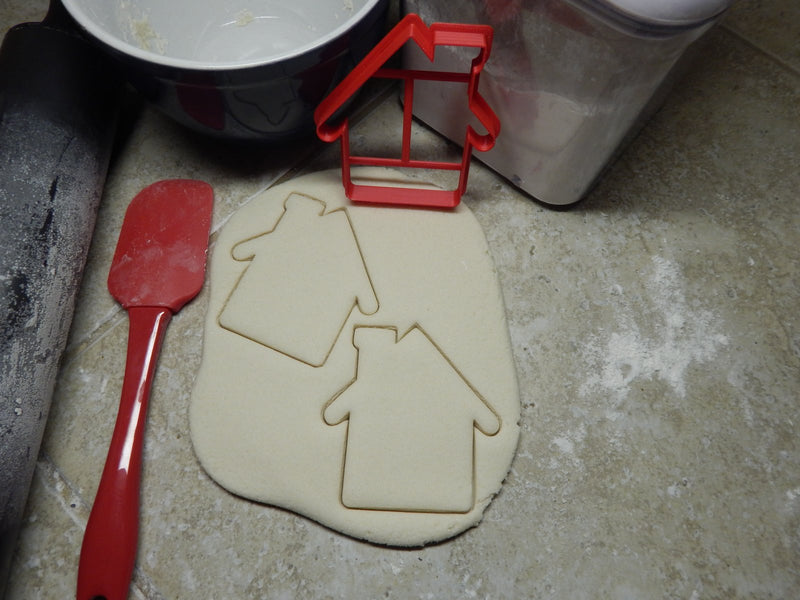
[58,111]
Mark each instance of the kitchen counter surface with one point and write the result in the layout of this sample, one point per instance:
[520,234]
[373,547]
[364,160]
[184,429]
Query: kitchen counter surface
[656,332]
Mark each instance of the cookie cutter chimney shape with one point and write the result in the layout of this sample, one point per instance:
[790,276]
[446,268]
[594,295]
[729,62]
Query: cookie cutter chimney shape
[411,27]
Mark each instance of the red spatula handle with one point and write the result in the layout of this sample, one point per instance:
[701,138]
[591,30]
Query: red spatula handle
[109,544]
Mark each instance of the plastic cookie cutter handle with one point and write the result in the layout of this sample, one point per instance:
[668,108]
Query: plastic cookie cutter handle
[411,27]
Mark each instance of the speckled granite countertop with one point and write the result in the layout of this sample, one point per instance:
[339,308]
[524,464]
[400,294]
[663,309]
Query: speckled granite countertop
[656,335]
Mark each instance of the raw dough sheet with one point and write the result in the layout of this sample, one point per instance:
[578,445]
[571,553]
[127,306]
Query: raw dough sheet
[356,364]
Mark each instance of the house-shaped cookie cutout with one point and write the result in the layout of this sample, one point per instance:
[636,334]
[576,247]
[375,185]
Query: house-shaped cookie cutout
[412,29]
[304,278]
[411,420]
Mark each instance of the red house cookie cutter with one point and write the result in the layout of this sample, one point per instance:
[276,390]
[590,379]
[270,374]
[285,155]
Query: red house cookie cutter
[428,39]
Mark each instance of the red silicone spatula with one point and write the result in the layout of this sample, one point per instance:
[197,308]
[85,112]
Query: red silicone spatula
[158,266]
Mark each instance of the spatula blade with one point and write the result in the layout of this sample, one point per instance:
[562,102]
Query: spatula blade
[161,253]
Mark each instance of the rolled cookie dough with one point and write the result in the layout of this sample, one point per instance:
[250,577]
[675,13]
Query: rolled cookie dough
[356,363]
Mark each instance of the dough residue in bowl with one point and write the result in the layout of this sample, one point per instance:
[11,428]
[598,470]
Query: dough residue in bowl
[139,30]
[147,38]
[243,18]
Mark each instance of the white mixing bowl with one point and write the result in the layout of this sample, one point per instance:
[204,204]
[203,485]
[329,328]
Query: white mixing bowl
[248,70]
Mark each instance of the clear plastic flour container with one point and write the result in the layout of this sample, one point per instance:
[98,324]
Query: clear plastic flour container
[571,80]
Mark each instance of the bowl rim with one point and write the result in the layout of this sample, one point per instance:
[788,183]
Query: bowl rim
[84,19]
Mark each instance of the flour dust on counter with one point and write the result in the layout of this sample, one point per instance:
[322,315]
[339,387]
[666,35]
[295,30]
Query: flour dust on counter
[681,335]
[357,366]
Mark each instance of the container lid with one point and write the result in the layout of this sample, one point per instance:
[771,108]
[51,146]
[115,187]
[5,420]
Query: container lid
[669,13]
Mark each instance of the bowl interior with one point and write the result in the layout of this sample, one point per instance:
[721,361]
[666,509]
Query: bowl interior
[216,34]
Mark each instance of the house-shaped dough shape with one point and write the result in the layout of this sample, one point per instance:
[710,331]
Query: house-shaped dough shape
[411,426]
[304,278]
